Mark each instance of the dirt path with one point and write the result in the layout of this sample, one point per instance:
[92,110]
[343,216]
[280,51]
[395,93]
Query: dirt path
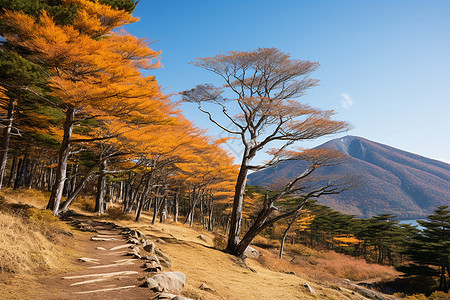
[106,270]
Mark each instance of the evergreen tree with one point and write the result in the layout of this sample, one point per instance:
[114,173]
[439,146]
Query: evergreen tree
[429,251]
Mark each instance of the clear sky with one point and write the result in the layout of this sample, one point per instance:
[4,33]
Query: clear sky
[385,65]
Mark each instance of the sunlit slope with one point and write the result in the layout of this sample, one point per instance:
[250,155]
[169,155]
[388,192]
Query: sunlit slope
[393,181]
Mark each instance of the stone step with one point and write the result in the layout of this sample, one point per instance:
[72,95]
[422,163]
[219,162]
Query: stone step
[125,263]
[108,289]
[91,281]
[112,274]
[120,247]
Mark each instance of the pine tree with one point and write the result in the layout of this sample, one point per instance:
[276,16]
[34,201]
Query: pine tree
[429,251]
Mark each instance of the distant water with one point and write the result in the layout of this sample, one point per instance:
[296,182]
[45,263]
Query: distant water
[412,222]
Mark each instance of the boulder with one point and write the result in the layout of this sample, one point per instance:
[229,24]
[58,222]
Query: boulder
[251,252]
[149,246]
[133,241]
[169,282]
[164,296]
[153,266]
[135,253]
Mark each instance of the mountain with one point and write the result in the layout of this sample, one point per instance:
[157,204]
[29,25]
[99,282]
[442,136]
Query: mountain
[393,181]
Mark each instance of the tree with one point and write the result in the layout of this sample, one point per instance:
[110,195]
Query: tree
[296,223]
[264,83]
[91,76]
[429,250]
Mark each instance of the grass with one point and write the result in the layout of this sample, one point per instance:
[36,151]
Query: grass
[31,239]
[228,279]
[321,266]
[23,248]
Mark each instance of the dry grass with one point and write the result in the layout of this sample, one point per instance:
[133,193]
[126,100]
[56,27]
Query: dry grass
[116,213]
[352,268]
[23,248]
[327,266]
[229,279]
[320,266]
[32,197]
[31,239]
[84,203]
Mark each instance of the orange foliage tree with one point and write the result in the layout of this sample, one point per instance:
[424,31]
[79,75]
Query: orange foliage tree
[261,87]
[93,73]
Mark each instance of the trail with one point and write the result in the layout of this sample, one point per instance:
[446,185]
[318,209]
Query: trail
[106,270]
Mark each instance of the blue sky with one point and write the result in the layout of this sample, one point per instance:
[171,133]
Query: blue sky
[385,65]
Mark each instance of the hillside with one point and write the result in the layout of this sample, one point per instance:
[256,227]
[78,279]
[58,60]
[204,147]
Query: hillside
[393,181]
[81,255]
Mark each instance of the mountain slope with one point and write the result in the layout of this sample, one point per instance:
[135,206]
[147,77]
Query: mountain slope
[393,181]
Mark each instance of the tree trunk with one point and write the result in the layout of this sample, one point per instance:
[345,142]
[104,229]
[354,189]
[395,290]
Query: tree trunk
[5,140]
[236,213]
[21,171]
[101,189]
[63,156]
[31,174]
[65,205]
[163,214]
[175,214]
[155,209]
[210,211]
[12,175]
[283,240]
[144,197]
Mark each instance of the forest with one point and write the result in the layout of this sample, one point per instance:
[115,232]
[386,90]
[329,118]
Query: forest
[83,121]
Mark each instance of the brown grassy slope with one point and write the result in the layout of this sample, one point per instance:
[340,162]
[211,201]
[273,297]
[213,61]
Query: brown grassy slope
[196,258]
[220,271]
[33,243]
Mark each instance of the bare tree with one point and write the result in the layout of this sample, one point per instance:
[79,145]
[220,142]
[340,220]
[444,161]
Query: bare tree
[262,85]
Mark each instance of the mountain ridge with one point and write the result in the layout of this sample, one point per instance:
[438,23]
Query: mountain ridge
[394,181]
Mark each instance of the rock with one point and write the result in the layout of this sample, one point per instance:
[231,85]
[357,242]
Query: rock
[153,266]
[153,285]
[251,252]
[205,287]
[161,241]
[170,282]
[100,248]
[89,260]
[134,234]
[102,239]
[137,234]
[152,258]
[141,235]
[181,298]
[163,259]
[135,253]
[133,241]
[86,227]
[204,238]
[164,296]
[310,289]
[365,292]
[149,246]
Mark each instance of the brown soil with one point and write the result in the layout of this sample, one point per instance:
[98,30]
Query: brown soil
[115,287]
